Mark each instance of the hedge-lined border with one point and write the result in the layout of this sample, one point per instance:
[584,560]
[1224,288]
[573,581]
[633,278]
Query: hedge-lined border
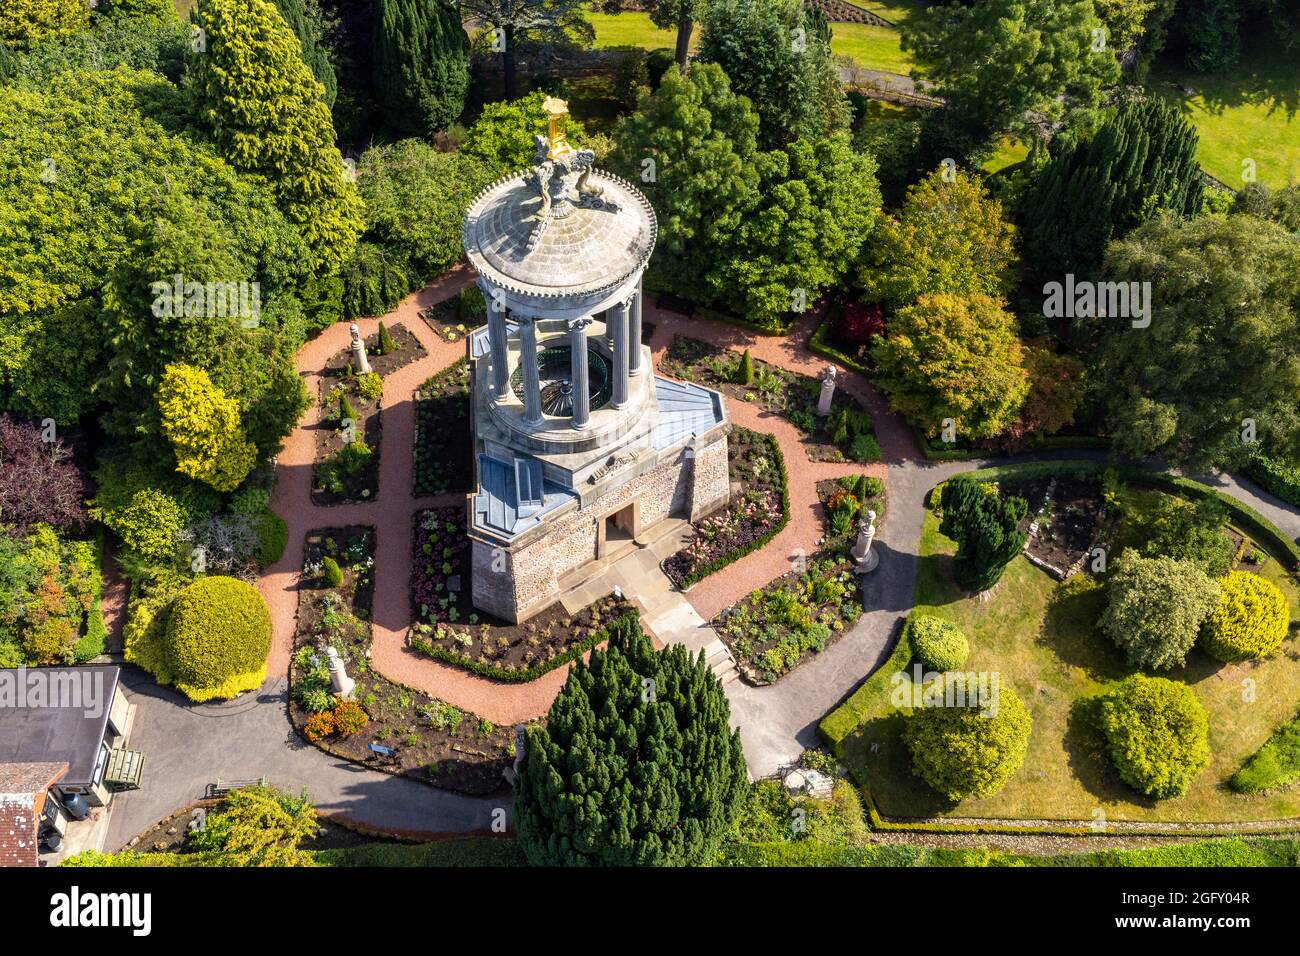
[818,345]
[1276,477]
[718,563]
[839,723]
[429,649]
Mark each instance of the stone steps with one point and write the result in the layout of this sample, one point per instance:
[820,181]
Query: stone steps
[719,660]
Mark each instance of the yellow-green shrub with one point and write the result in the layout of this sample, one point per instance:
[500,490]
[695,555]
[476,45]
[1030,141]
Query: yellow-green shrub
[1250,619]
[217,637]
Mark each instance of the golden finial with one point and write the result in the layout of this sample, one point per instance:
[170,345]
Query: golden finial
[559,144]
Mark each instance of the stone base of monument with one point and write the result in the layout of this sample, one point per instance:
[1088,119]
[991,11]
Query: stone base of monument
[867,563]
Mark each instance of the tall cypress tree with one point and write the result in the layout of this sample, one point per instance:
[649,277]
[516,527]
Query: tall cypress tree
[308,25]
[421,72]
[252,89]
[1139,162]
[986,527]
[637,764]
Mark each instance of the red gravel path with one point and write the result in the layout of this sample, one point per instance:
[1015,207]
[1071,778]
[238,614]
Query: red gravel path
[392,513]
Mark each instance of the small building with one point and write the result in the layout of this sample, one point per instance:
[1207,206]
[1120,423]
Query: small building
[73,718]
[579,446]
[24,789]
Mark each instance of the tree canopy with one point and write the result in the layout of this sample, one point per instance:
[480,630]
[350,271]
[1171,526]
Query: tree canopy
[421,71]
[636,764]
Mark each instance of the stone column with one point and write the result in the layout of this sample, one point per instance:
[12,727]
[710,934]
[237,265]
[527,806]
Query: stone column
[497,335]
[581,388]
[828,391]
[618,315]
[634,334]
[359,361]
[532,380]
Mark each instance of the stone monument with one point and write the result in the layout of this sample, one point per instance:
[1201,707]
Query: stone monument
[580,450]
[865,559]
[359,360]
[343,684]
[828,391]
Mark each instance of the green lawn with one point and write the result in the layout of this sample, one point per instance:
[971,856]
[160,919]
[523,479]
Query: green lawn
[1040,637]
[1246,112]
[1008,152]
[871,47]
[633,29]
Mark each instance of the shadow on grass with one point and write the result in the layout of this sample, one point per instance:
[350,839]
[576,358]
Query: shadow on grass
[1070,630]
[1086,747]
[886,770]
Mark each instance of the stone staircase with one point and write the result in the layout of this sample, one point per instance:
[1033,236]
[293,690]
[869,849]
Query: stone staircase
[720,661]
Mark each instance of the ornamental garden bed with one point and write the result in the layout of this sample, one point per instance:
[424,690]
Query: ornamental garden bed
[847,434]
[801,613]
[846,501]
[443,451]
[1062,519]
[456,317]
[350,428]
[430,740]
[1042,639]
[450,629]
[758,510]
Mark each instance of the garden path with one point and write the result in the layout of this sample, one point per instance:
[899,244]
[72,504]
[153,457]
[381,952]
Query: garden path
[776,722]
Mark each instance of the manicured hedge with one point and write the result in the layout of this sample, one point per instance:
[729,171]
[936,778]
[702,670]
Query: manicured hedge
[717,564]
[217,638]
[1274,765]
[429,649]
[818,345]
[1275,476]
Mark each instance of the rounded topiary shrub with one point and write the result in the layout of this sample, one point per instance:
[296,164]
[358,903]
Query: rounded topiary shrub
[938,644]
[217,637]
[968,739]
[1157,734]
[1250,619]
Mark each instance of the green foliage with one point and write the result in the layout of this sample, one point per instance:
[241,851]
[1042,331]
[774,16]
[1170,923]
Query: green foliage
[956,358]
[421,73]
[626,772]
[939,644]
[387,344]
[759,233]
[1141,161]
[965,747]
[375,279]
[1156,608]
[537,28]
[745,369]
[272,538]
[265,110]
[84,328]
[1225,346]
[370,386]
[152,44]
[1157,734]
[331,572]
[1249,621]
[949,237]
[161,10]
[22,21]
[258,826]
[1184,530]
[217,637]
[1274,765]
[998,61]
[986,527]
[307,22]
[415,199]
[503,139]
[49,593]
[203,425]
[797,92]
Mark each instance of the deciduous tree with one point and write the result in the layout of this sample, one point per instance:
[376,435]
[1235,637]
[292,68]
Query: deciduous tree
[1156,609]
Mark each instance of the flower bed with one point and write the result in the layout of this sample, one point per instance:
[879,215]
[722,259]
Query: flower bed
[846,434]
[443,461]
[753,518]
[430,740]
[450,629]
[845,501]
[347,443]
[455,318]
[775,628]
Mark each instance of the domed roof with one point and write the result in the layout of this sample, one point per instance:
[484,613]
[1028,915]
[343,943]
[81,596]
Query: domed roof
[581,248]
